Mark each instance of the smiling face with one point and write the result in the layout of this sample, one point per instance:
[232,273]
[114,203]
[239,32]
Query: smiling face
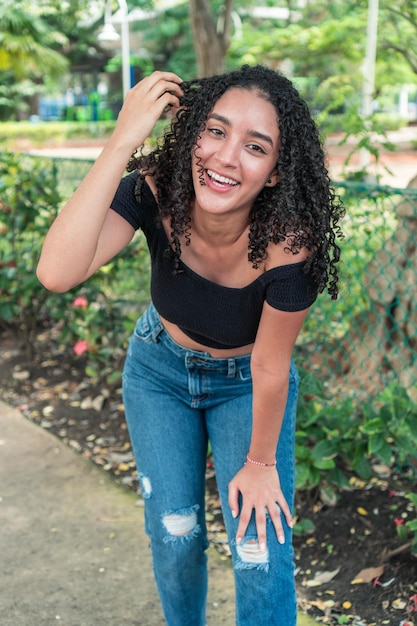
[237,153]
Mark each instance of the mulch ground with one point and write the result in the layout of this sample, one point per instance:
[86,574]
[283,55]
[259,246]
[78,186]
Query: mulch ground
[352,569]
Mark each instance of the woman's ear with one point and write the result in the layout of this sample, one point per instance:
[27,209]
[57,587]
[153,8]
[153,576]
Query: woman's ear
[272,180]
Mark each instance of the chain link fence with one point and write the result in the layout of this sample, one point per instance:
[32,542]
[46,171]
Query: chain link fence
[366,339]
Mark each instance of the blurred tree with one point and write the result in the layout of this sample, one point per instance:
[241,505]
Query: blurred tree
[27,55]
[27,42]
[398,31]
[323,47]
[189,38]
[211,34]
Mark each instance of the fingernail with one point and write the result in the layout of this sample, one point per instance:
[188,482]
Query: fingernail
[262,546]
[290,523]
[281,539]
[234,514]
[238,540]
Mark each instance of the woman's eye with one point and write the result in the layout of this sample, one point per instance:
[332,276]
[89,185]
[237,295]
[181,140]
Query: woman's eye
[256,148]
[216,131]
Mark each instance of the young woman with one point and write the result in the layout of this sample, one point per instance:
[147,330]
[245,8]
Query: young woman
[241,225]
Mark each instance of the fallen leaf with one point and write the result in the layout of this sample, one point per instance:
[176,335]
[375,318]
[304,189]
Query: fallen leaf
[98,402]
[347,604]
[320,604]
[21,375]
[399,603]
[322,577]
[368,574]
[361,511]
[47,410]
[382,470]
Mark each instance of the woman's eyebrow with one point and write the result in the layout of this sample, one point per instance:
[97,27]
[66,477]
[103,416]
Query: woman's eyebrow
[252,133]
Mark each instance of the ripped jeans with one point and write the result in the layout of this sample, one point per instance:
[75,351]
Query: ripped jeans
[176,400]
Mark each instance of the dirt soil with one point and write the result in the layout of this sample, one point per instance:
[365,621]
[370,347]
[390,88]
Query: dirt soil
[359,533]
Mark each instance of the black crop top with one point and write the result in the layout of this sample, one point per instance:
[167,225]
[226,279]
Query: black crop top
[211,314]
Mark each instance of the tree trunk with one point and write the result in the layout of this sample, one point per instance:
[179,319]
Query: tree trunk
[211,35]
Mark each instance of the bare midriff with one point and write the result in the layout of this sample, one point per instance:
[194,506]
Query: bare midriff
[218,353]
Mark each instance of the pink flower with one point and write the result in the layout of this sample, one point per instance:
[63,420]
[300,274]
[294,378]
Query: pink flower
[80,347]
[413,601]
[80,302]
[398,521]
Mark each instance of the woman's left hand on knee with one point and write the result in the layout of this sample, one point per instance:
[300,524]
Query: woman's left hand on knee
[261,492]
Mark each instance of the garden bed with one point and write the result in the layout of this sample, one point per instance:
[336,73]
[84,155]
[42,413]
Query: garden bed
[352,569]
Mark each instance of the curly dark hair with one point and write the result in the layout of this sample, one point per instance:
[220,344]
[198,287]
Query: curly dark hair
[302,209]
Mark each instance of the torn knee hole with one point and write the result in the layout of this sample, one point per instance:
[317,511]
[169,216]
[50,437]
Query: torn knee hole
[251,552]
[182,523]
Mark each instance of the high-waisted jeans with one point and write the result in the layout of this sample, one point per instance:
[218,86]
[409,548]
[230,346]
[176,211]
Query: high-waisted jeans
[176,400]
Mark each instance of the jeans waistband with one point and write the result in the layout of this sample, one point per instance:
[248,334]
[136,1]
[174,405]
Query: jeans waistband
[192,357]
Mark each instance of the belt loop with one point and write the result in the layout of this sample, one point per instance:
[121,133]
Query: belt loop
[231,368]
[156,331]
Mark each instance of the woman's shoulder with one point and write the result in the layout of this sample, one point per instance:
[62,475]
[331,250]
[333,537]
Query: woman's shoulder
[134,200]
[280,254]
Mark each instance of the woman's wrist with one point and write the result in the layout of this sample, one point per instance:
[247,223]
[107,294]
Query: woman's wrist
[259,463]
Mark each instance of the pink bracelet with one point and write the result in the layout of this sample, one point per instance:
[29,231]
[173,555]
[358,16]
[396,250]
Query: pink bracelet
[259,463]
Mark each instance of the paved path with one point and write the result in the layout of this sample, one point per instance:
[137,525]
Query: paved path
[72,545]
[73,550]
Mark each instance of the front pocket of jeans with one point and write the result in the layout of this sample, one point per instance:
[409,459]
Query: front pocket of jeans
[142,332]
[244,374]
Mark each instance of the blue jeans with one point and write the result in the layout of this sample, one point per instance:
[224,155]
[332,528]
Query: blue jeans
[176,400]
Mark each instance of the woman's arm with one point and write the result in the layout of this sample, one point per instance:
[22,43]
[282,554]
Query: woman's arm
[86,234]
[270,364]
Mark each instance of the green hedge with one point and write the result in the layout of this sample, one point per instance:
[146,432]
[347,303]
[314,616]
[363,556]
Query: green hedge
[41,132]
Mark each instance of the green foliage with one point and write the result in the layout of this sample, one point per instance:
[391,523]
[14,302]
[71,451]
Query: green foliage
[39,133]
[168,41]
[29,201]
[102,311]
[370,221]
[338,438]
[26,42]
[411,525]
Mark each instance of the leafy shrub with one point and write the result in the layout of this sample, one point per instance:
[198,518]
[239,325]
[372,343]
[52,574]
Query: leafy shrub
[29,201]
[40,132]
[337,438]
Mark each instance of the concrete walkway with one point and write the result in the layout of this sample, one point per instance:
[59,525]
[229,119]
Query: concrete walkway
[73,550]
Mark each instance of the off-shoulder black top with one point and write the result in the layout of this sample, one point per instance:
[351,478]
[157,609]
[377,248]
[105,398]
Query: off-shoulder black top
[211,314]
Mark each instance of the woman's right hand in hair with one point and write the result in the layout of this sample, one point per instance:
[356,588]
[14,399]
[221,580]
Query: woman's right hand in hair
[86,235]
[144,105]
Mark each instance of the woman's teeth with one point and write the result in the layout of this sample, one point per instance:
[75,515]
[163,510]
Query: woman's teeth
[221,179]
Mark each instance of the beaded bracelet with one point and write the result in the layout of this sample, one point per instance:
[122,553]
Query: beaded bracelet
[259,462]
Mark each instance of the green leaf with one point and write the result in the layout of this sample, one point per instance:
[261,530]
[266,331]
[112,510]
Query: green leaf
[412,525]
[306,476]
[114,377]
[385,453]
[92,370]
[372,427]
[328,495]
[412,497]
[362,467]
[304,526]
[323,455]
[376,441]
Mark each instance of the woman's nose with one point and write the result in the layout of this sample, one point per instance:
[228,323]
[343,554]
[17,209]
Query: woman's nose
[228,153]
